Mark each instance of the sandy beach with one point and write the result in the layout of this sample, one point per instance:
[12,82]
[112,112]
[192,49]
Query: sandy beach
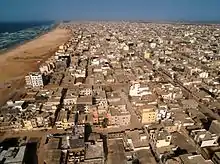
[17,62]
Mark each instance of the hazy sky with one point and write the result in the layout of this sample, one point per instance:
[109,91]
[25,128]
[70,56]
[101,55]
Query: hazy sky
[17,10]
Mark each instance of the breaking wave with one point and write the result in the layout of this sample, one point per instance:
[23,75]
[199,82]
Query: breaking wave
[12,34]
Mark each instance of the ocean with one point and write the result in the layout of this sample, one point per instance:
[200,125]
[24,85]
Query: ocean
[15,33]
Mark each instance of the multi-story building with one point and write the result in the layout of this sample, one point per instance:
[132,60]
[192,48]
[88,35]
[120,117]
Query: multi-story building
[139,90]
[119,116]
[148,114]
[27,124]
[216,158]
[160,138]
[34,79]
[70,98]
[63,122]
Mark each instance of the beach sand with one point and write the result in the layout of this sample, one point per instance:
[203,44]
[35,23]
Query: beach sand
[17,62]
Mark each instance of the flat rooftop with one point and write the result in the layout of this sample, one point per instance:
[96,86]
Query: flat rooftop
[145,157]
[116,152]
[94,151]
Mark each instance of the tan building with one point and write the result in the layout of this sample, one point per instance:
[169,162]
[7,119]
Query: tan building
[62,122]
[148,114]
[71,98]
[119,116]
[120,119]
[27,125]
[170,126]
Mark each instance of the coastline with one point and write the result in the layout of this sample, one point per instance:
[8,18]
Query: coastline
[28,40]
[16,62]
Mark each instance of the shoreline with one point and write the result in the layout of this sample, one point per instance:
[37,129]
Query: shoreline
[18,61]
[6,50]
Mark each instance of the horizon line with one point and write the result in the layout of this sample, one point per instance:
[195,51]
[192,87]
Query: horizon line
[121,20]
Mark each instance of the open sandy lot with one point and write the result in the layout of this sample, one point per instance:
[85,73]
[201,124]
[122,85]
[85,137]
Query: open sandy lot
[16,63]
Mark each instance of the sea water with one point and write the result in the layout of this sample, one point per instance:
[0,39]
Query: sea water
[15,33]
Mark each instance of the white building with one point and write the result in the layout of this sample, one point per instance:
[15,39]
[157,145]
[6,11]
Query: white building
[80,72]
[204,75]
[139,91]
[160,138]
[204,138]
[162,114]
[15,104]
[34,79]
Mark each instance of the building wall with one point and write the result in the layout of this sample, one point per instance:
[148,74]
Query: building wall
[27,125]
[28,80]
[34,80]
[64,125]
[171,129]
[69,101]
[211,142]
[37,81]
[163,143]
[216,159]
[121,120]
[148,117]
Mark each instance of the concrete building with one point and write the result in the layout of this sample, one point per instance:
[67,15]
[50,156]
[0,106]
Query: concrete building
[139,90]
[215,127]
[27,124]
[119,116]
[148,114]
[63,121]
[204,138]
[70,98]
[94,153]
[160,138]
[191,159]
[34,79]
[216,158]
[136,140]
[170,126]
[14,155]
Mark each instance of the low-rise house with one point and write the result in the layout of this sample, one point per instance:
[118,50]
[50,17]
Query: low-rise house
[170,126]
[16,105]
[84,100]
[27,124]
[190,103]
[134,141]
[192,159]
[49,108]
[52,102]
[113,96]
[80,72]
[94,153]
[215,127]
[204,138]
[160,138]
[95,115]
[68,81]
